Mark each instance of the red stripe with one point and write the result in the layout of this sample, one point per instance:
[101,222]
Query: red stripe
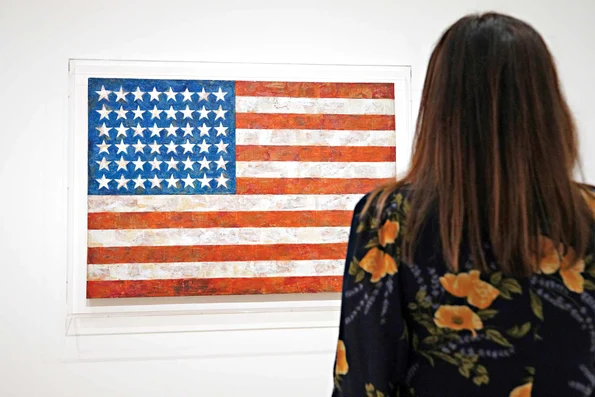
[316,90]
[306,185]
[214,253]
[315,153]
[279,121]
[167,220]
[214,286]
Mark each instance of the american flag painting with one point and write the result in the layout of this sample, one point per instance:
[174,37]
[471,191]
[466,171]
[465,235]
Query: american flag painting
[229,187]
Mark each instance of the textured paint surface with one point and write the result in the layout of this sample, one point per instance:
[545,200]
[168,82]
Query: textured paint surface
[280,252]
[216,236]
[315,90]
[315,153]
[315,121]
[161,271]
[306,186]
[224,286]
[176,220]
[221,187]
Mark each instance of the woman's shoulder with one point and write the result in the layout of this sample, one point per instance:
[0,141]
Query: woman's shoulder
[385,202]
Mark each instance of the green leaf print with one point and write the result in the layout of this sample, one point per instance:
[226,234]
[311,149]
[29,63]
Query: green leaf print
[519,332]
[487,314]
[536,305]
[496,336]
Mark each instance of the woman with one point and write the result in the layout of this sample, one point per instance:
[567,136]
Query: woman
[474,275]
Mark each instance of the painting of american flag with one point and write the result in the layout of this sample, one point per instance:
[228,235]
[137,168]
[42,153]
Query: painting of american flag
[222,187]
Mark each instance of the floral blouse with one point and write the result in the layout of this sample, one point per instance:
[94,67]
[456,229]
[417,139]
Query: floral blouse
[416,329]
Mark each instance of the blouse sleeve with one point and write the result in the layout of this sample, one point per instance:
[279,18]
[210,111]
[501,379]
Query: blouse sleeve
[373,339]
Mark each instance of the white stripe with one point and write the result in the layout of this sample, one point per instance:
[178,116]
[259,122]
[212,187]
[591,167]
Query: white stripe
[314,138]
[165,271]
[255,104]
[217,236]
[225,203]
[302,169]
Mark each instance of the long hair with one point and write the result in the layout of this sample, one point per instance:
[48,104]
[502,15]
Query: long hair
[494,150]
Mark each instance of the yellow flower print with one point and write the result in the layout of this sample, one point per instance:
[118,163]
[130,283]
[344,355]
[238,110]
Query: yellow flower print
[522,391]
[378,263]
[551,262]
[482,294]
[458,285]
[341,366]
[457,318]
[572,277]
[388,233]
[478,293]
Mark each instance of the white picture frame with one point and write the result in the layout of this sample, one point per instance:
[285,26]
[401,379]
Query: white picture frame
[150,315]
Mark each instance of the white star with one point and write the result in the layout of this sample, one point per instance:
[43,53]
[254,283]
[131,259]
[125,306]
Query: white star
[103,147]
[204,147]
[121,113]
[138,164]
[220,95]
[222,181]
[221,147]
[121,94]
[170,94]
[139,182]
[204,181]
[188,146]
[103,130]
[187,112]
[171,130]
[122,182]
[103,164]
[155,164]
[155,147]
[172,182]
[204,130]
[121,130]
[103,94]
[155,130]
[172,164]
[154,94]
[220,113]
[122,147]
[156,182]
[188,181]
[104,113]
[138,146]
[221,130]
[171,147]
[187,130]
[203,95]
[138,130]
[171,113]
[188,163]
[204,163]
[204,113]
[138,94]
[103,182]
[122,163]
[187,95]
[155,113]
[138,114]
[221,163]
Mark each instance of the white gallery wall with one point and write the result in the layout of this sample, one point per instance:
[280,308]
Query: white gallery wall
[37,38]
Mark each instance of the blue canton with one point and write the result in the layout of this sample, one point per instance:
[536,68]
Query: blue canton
[154,137]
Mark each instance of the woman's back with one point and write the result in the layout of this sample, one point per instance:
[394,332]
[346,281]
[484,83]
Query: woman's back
[417,329]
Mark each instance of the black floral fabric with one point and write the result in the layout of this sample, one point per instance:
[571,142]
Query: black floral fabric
[417,329]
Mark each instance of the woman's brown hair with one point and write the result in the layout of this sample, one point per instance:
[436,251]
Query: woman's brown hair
[494,150]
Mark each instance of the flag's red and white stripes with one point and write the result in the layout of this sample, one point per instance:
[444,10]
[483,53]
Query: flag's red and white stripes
[306,152]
